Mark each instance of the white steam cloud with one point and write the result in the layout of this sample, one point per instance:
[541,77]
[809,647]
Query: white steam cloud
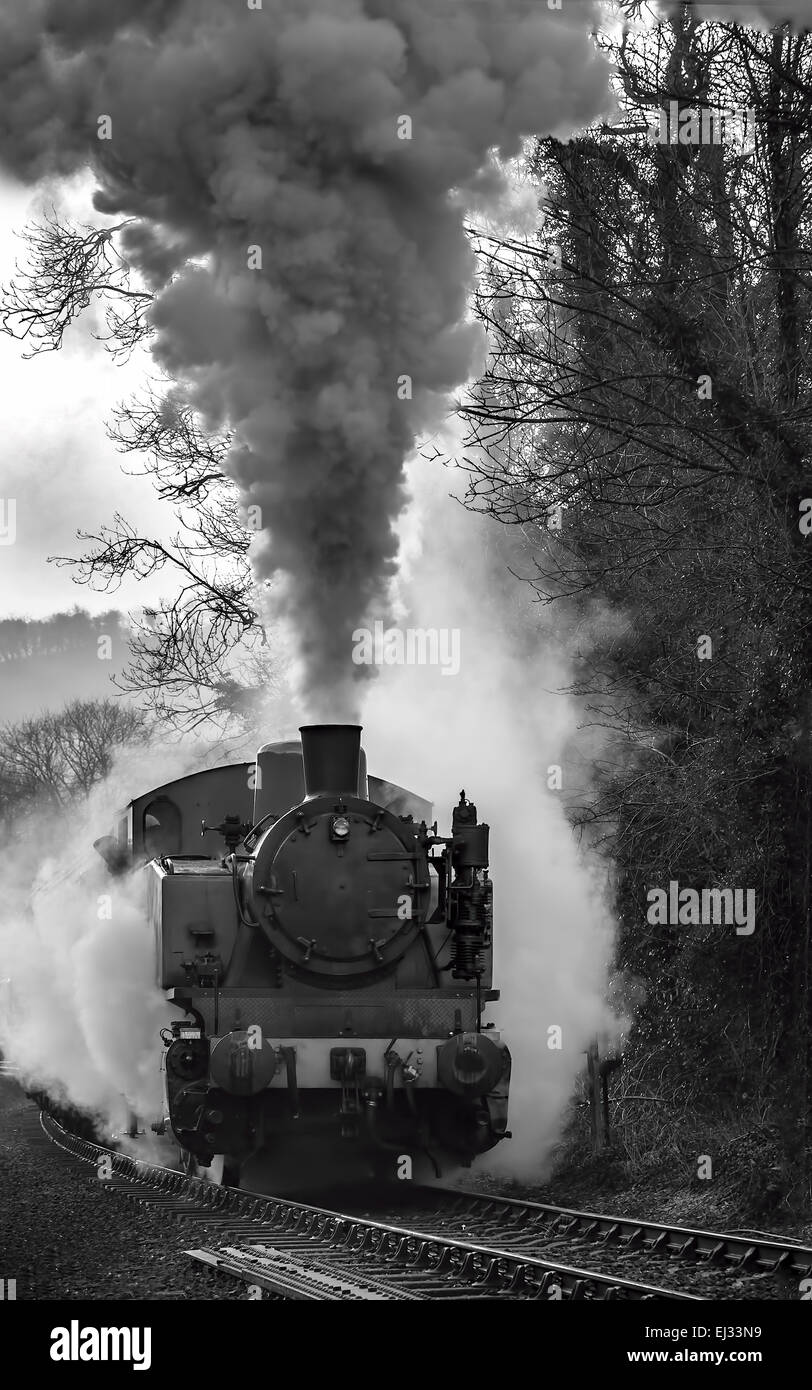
[83,1012]
[496,728]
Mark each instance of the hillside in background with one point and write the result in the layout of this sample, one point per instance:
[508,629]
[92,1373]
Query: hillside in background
[45,662]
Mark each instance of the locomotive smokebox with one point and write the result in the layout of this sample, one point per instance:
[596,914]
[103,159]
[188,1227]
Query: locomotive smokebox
[331,754]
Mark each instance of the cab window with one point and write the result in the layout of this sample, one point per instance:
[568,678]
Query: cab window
[162,828]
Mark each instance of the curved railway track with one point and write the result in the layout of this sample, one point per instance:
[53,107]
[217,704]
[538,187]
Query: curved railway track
[529,1227]
[298,1251]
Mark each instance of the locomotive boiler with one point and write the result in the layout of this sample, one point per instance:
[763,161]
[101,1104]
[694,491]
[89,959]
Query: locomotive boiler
[332,962]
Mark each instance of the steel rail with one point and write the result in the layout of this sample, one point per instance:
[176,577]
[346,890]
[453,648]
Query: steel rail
[741,1251]
[332,1245]
[288,1278]
[429,1267]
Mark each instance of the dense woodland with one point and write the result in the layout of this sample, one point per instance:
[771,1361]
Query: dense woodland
[645,413]
[647,404]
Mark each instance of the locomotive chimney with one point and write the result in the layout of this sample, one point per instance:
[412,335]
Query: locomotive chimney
[332,758]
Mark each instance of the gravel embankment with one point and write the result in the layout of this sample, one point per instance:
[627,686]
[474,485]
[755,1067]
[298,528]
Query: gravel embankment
[64,1236]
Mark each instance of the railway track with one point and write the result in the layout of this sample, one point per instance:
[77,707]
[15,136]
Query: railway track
[296,1251]
[526,1226]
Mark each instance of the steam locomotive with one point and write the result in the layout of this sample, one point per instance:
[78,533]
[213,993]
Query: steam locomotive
[332,961]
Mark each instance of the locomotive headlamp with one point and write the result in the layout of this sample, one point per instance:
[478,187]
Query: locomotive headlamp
[339,828]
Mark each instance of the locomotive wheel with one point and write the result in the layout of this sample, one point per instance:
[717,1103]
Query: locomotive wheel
[231,1174]
[187,1162]
[220,1172]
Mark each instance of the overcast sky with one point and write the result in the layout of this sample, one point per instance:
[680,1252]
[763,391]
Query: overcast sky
[54,456]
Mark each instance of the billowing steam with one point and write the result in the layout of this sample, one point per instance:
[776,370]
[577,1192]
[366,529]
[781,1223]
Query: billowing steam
[499,729]
[313,159]
[82,1013]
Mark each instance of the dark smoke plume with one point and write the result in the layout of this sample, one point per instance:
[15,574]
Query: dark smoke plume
[240,128]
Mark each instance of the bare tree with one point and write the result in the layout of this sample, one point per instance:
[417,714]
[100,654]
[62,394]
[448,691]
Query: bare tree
[66,267]
[197,653]
[196,656]
[53,759]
